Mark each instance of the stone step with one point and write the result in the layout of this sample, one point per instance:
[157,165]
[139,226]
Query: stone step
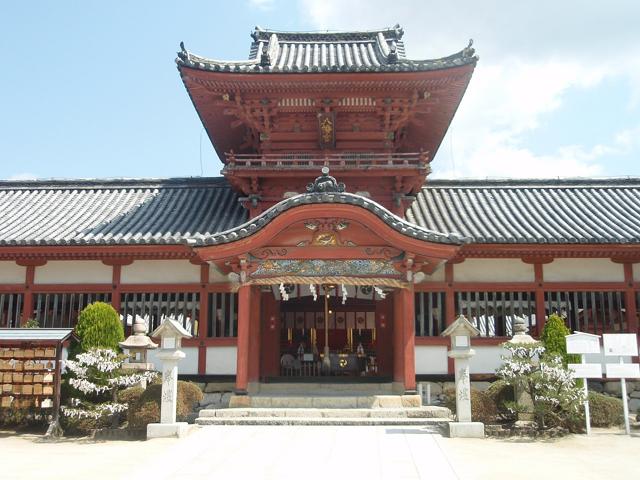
[430,412]
[280,388]
[324,401]
[432,425]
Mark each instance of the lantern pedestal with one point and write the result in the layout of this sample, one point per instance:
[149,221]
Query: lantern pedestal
[171,334]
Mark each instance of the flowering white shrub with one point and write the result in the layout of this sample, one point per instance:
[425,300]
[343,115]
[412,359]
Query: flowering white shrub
[555,397]
[98,375]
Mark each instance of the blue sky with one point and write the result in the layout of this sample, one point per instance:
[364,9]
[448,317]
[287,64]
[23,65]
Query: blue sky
[90,88]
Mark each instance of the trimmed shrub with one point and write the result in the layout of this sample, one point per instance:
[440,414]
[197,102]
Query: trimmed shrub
[502,394]
[605,411]
[145,407]
[99,326]
[483,408]
[553,339]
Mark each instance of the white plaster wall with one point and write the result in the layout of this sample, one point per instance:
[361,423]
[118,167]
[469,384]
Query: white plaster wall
[79,271]
[221,360]
[216,276]
[636,272]
[583,270]
[187,366]
[437,276]
[431,359]
[10,272]
[160,271]
[493,270]
[487,359]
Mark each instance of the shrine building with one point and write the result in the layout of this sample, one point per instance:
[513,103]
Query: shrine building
[324,251]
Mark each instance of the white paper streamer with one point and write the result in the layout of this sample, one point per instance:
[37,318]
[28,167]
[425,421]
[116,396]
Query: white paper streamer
[344,294]
[312,287]
[380,292]
[283,292]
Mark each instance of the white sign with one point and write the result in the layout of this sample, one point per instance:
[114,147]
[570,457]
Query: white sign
[623,370]
[620,344]
[586,370]
[581,343]
[168,342]
[461,341]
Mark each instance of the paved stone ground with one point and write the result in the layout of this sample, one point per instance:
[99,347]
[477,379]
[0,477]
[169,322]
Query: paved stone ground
[264,452]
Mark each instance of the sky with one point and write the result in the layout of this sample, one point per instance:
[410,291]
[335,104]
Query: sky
[89,89]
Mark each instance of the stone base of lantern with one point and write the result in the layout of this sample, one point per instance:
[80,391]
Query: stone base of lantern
[165,430]
[466,430]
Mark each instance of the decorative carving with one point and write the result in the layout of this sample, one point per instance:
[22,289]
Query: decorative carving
[324,239]
[386,252]
[325,184]
[313,268]
[264,253]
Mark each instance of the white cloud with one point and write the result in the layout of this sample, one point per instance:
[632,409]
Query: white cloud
[262,4]
[532,54]
[22,176]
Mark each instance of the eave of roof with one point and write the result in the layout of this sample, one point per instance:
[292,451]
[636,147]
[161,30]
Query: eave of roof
[330,52]
[254,225]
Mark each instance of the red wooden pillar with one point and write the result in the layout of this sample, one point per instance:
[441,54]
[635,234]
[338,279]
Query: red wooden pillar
[27,308]
[255,334]
[630,299]
[408,338]
[449,306]
[203,319]
[540,310]
[242,356]
[398,344]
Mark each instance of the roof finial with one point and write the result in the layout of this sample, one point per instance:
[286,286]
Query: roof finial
[392,57]
[325,184]
[399,31]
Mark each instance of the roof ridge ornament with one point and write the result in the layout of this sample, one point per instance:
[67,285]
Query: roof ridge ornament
[325,184]
[468,51]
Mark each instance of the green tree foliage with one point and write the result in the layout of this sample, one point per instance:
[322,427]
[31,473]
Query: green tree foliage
[553,339]
[605,411]
[99,326]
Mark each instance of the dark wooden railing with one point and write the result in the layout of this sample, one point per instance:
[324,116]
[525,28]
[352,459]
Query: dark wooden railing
[314,161]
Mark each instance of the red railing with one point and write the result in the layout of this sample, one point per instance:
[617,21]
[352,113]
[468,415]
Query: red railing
[333,160]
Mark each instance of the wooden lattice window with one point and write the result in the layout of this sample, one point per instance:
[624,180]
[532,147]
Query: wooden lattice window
[430,313]
[10,309]
[493,312]
[154,307]
[223,315]
[61,310]
[594,312]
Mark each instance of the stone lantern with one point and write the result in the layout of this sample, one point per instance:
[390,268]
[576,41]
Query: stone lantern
[171,334]
[460,333]
[138,344]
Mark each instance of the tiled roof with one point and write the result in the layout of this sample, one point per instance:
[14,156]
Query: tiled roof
[532,211]
[401,225]
[291,52]
[207,211]
[115,212]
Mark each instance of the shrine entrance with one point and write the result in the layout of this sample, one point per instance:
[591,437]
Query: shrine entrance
[330,331]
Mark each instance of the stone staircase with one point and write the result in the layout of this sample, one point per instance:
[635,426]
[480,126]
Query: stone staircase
[325,404]
[433,418]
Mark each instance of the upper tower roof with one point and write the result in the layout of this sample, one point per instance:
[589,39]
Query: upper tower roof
[274,51]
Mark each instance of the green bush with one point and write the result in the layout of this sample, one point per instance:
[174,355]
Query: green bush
[605,411]
[483,408]
[553,339]
[144,408]
[502,394]
[99,326]
[32,323]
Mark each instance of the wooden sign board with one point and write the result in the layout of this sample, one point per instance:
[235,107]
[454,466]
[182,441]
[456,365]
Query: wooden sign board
[583,343]
[623,370]
[620,344]
[586,370]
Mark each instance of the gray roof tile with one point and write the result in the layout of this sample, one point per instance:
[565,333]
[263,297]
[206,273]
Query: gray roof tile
[299,52]
[532,211]
[115,212]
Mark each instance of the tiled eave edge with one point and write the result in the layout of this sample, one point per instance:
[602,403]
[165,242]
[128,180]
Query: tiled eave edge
[254,225]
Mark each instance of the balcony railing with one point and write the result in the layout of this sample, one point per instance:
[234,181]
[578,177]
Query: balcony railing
[338,161]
